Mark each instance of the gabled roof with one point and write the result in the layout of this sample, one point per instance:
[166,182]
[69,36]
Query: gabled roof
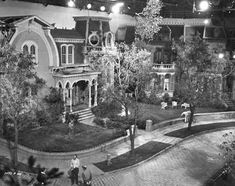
[15,20]
[66,33]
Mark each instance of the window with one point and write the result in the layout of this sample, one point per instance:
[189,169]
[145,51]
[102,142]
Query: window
[158,55]
[30,47]
[67,54]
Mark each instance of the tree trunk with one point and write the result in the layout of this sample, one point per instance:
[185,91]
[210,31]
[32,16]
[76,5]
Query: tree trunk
[132,139]
[16,138]
[191,116]
[126,112]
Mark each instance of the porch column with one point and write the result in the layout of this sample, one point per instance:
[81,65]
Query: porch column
[163,82]
[71,99]
[89,86]
[63,93]
[95,101]
[64,97]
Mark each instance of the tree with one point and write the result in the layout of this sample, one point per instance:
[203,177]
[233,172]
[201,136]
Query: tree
[18,83]
[132,67]
[149,19]
[199,72]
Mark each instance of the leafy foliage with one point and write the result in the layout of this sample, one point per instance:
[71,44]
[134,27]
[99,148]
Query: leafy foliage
[17,78]
[149,19]
[199,72]
[54,106]
[228,147]
[131,72]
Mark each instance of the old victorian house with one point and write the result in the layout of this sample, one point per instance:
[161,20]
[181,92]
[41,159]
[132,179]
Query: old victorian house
[61,54]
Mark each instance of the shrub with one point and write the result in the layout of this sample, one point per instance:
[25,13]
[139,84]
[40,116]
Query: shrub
[152,99]
[42,117]
[166,97]
[99,121]
[114,124]
[55,104]
[107,109]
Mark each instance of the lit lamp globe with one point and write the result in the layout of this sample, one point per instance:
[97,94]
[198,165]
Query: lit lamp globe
[102,8]
[204,5]
[88,6]
[221,55]
[71,3]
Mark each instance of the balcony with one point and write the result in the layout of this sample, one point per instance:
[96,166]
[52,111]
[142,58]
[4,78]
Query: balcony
[164,68]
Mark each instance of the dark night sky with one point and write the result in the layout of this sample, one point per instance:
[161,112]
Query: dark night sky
[172,8]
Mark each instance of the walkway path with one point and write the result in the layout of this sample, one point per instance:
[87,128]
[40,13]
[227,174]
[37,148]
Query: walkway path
[191,162]
[169,162]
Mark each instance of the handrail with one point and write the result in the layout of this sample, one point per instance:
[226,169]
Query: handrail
[163,66]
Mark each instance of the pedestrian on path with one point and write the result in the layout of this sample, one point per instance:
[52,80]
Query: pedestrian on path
[86,176]
[186,115]
[75,164]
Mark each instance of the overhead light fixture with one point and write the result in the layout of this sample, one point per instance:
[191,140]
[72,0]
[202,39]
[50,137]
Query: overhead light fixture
[116,8]
[89,6]
[204,5]
[102,8]
[71,3]
[221,55]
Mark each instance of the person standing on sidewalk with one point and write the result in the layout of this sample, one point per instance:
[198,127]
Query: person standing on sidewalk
[86,176]
[75,163]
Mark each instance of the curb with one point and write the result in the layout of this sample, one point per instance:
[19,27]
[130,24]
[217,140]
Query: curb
[225,115]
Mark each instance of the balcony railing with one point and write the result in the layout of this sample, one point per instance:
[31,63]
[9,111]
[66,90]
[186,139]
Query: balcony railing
[163,66]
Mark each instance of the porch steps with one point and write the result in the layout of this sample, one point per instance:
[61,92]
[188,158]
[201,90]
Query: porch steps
[84,114]
[230,104]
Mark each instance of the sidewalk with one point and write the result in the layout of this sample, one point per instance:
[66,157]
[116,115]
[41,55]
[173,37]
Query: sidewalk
[205,147]
[172,157]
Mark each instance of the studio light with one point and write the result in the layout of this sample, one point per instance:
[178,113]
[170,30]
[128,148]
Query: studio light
[89,6]
[203,6]
[221,55]
[102,8]
[116,8]
[71,3]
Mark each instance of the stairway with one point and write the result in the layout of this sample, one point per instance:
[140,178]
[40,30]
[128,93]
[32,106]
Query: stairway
[230,104]
[84,114]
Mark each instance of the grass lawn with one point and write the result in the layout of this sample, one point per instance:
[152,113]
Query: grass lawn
[155,112]
[55,138]
[141,153]
[184,132]
[218,180]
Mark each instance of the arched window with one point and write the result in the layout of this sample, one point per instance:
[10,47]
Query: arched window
[25,49]
[67,54]
[63,54]
[70,54]
[30,47]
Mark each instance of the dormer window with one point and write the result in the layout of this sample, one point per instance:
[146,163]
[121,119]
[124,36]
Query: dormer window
[31,48]
[67,54]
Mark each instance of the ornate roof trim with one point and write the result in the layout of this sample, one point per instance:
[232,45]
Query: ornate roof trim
[173,21]
[68,40]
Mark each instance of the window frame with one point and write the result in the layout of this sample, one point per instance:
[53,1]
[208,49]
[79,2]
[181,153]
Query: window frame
[29,44]
[67,62]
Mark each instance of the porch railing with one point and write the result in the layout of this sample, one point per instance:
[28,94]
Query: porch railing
[163,66]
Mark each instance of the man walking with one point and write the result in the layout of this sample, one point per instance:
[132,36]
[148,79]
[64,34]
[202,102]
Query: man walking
[86,176]
[75,163]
